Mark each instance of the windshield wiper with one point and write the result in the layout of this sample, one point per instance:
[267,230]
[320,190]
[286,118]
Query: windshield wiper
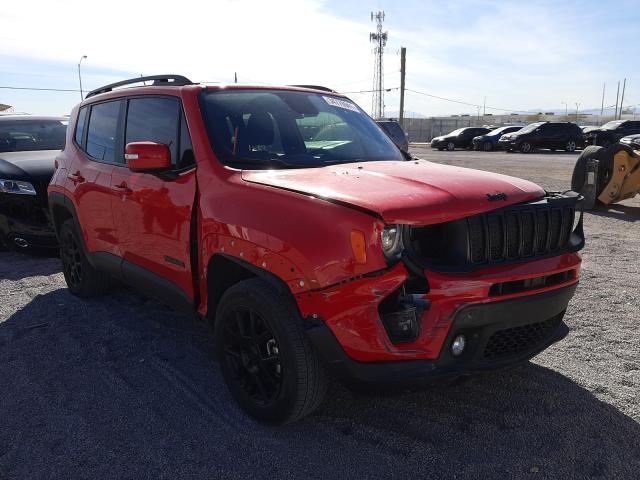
[273,162]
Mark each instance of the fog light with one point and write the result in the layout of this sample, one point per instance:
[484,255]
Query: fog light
[457,347]
[403,326]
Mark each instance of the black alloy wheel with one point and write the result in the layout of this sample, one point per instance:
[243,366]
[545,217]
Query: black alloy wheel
[451,146]
[71,259]
[525,147]
[252,353]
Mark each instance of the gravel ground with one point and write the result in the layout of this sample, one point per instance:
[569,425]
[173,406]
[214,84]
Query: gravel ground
[121,387]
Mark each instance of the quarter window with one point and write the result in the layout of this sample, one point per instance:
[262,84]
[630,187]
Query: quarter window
[154,120]
[102,131]
[82,116]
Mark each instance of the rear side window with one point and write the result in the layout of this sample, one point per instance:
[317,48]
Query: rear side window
[154,120]
[102,131]
[82,116]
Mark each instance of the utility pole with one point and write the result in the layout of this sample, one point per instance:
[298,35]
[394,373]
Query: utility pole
[379,38]
[577,108]
[80,76]
[235,77]
[617,97]
[604,87]
[624,86]
[484,107]
[403,65]
[566,111]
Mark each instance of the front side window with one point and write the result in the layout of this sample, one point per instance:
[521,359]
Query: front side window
[154,120]
[102,131]
[287,129]
[32,135]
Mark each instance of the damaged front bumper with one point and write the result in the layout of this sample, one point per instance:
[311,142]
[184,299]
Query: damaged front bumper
[24,223]
[497,334]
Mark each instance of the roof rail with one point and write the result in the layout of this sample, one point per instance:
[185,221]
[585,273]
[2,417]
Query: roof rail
[315,87]
[158,80]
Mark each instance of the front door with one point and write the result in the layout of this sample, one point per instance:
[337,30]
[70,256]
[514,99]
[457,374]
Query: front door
[153,212]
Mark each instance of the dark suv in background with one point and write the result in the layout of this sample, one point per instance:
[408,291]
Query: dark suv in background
[28,147]
[552,135]
[489,141]
[611,132]
[460,138]
[395,132]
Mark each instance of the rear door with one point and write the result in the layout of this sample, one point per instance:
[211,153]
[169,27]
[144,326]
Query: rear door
[153,212]
[89,175]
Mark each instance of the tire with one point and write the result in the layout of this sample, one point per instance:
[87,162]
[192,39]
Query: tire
[570,146]
[526,147]
[82,279]
[579,176]
[487,146]
[268,364]
[451,146]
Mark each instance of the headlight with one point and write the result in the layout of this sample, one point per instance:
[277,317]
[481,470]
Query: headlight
[17,187]
[391,240]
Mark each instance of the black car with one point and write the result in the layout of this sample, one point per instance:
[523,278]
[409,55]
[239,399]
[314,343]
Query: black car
[460,138]
[611,132]
[632,141]
[552,135]
[489,141]
[394,131]
[28,146]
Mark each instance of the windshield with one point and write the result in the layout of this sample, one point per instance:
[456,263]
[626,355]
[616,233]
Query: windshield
[30,135]
[612,125]
[287,129]
[501,130]
[531,127]
[458,131]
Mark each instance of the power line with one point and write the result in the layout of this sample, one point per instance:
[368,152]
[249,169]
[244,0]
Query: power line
[460,102]
[369,91]
[41,89]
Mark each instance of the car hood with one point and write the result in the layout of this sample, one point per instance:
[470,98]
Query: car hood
[411,192]
[36,165]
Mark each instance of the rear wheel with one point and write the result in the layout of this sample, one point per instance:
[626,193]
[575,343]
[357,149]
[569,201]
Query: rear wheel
[269,365]
[82,279]
[570,146]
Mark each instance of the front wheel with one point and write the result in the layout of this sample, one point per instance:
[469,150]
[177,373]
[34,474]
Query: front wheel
[451,146]
[268,364]
[83,280]
[526,147]
[487,146]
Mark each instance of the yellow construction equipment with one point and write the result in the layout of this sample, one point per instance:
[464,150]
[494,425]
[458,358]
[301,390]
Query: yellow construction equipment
[607,175]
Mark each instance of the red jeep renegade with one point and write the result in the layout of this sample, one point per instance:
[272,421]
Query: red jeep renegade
[289,219]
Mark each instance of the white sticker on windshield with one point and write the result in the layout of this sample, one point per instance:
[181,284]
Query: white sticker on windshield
[338,102]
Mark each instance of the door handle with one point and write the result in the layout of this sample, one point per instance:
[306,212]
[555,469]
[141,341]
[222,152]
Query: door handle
[123,188]
[76,177]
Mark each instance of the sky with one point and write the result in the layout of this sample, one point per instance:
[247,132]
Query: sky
[521,56]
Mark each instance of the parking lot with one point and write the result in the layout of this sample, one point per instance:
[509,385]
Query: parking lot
[121,387]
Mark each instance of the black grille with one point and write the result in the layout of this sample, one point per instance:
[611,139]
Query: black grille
[518,340]
[509,235]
